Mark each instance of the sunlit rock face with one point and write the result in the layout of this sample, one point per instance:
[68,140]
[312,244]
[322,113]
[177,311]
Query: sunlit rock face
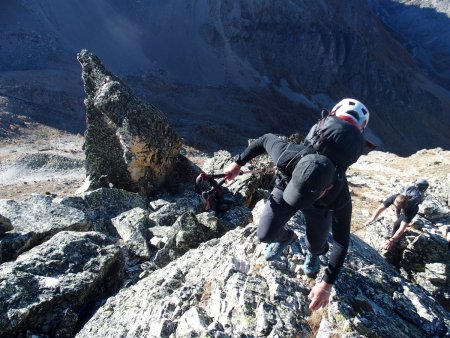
[163,266]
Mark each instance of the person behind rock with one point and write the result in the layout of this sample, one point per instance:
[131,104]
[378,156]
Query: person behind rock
[312,179]
[406,207]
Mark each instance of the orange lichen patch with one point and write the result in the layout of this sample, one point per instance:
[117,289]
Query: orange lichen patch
[148,163]
[314,321]
[256,270]
[142,159]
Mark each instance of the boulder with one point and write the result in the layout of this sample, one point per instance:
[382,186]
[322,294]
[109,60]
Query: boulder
[165,211]
[425,248]
[51,289]
[132,227]
[103,204]
[35,220]
[434,209]
[189,234]
[13,243]
[190,230]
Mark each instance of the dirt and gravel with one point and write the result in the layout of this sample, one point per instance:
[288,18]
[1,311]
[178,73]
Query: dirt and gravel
[40,159]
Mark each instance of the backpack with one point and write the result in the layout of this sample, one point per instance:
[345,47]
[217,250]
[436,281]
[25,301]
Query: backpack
[337,139]
[415,196]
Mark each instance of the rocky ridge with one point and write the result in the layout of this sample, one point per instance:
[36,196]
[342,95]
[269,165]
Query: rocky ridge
[178,270]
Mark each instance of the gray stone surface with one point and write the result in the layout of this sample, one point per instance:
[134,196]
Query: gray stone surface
[225,288]
[208,276]
[189,234]
[435,209]
[166,211]
[13,243]
[40,214]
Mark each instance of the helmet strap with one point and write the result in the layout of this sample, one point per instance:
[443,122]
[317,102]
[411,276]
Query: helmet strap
[325,113]
[364,125]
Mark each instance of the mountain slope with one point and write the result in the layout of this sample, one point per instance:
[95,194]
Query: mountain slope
[224,71]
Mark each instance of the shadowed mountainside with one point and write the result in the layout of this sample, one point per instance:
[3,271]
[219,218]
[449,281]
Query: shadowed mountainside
[224,71]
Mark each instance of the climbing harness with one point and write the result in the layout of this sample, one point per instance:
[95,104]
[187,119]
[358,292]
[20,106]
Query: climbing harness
[209,188]
[212,191]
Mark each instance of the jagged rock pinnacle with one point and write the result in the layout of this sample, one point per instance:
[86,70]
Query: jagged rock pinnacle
[129,144]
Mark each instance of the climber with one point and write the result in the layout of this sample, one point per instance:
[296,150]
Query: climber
[312,179]
[406,206]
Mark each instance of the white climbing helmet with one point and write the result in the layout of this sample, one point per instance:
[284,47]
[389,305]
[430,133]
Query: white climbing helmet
[422,184]
[353,111]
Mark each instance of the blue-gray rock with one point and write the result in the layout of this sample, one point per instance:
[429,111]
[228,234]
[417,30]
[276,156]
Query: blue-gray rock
[168,210]
[225,288]
[189,234]
[13,243]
